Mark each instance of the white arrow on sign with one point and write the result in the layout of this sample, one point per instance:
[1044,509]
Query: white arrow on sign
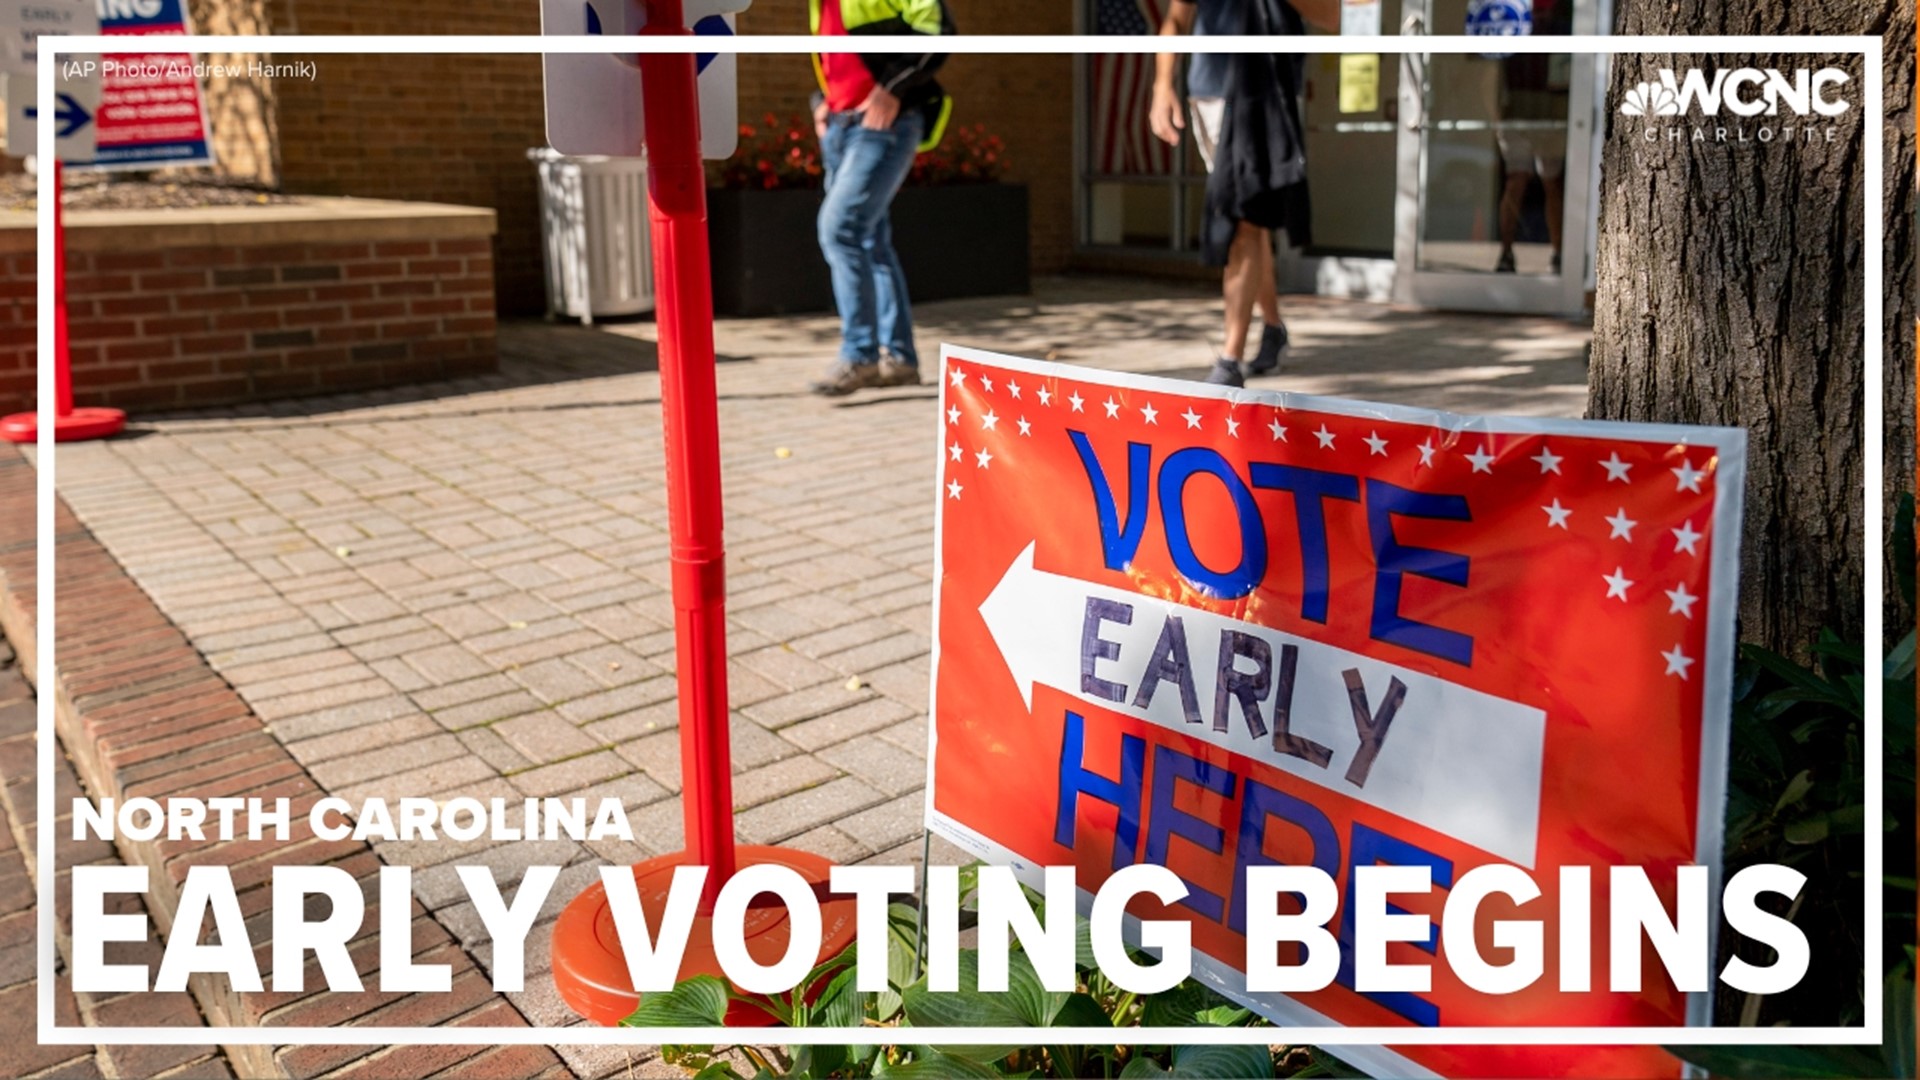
[1456,760]
[593,101]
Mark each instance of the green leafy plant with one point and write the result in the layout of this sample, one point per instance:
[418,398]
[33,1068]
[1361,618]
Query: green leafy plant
[910,1009]
[1796,797]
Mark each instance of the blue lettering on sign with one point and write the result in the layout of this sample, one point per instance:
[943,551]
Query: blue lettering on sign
[1310,488]
[1260,807]
[1174,474]
[1122,794]
[1166,820]
[1368,847]
[1313,492]
[1118,543]
[1392,561]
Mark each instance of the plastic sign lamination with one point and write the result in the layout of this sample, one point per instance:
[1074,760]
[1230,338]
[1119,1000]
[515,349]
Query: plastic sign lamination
[1213,629]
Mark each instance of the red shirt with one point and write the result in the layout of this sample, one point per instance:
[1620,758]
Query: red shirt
[848,80]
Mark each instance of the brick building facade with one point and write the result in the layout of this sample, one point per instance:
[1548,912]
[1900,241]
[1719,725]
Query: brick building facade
[455,129]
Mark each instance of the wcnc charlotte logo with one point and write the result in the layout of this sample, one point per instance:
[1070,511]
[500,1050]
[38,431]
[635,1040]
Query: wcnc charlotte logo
[1739,105]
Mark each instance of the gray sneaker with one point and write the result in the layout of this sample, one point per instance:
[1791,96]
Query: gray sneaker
[1226,373]
[844,378]
[1273,345]
[897,372]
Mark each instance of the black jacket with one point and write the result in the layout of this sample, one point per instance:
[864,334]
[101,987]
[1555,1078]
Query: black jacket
[1260,156]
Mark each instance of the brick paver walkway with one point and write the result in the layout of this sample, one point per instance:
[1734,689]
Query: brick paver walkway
[463,589]
[20,1053]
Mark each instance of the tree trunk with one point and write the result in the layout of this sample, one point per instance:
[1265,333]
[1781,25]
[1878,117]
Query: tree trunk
[1729,290]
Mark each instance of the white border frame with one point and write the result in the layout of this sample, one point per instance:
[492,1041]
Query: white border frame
[1868,48]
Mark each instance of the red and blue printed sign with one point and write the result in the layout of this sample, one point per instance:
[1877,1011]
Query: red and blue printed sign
[1210,628]
[151,113]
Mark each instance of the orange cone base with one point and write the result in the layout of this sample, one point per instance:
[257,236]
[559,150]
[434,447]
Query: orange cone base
[591,973]
[75,426]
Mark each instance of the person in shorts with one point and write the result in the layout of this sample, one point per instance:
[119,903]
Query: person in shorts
[1248,282]
[1531,130]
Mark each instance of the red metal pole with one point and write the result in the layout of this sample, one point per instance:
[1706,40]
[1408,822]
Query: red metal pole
[62,366]
[683,291]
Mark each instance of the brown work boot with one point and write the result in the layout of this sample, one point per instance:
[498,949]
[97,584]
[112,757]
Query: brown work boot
[844,377]
[897,372]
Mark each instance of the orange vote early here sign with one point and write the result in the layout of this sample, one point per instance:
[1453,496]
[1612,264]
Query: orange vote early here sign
[1212,628]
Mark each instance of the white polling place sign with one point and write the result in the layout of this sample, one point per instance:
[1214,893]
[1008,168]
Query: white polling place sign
[76,96]
[593,100]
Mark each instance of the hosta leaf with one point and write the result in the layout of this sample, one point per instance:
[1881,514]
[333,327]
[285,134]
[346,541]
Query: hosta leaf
[700,1001]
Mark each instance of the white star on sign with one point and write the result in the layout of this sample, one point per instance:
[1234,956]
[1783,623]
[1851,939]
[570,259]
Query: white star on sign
[1233,427]
[1620,525]
[1549,461]
[1426,453]
[953,489]
[1149,413]
[1617,584]
[1557,515]
[1112,407]
[1325,437]
[1684,538]
[1677,661]
[1025,428]
[1279,433]
[1688,476]
[954,451]
[1192,418]
[1682,601]
[1046,396]
[982,459]
[1482,461]
[1076,400]
[987,383]
[953,415]
[1375,444]
[956,376]
[1616,469]
[987,421]
[1014,389]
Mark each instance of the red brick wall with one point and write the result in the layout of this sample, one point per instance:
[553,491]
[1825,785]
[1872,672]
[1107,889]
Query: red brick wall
[191,326]
[1027,100]
[17,331]
[456,129]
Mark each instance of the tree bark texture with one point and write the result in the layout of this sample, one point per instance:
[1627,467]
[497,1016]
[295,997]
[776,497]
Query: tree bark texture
[1730,286]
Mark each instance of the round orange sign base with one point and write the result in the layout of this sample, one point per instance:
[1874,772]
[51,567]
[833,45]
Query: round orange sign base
[73,427]
[590,971]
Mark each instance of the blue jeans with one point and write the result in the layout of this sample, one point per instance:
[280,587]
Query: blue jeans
[864,168]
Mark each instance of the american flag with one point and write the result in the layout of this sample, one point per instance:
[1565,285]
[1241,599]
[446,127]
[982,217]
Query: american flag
[1123,144]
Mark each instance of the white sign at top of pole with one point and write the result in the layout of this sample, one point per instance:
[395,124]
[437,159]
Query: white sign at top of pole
[593,101]
[76,97]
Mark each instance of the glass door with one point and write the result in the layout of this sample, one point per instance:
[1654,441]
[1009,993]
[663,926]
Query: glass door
[1495,157]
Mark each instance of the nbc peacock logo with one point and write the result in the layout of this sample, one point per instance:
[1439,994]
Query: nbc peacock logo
[1650,99]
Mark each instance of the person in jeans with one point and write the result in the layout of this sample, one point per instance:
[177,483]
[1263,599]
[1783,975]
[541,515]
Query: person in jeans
[873,113]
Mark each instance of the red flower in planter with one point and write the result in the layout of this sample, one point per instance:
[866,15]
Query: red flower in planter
[968,155]
[778,156]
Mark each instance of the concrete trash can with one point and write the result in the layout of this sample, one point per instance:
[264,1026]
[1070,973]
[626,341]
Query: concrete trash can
[593,228]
